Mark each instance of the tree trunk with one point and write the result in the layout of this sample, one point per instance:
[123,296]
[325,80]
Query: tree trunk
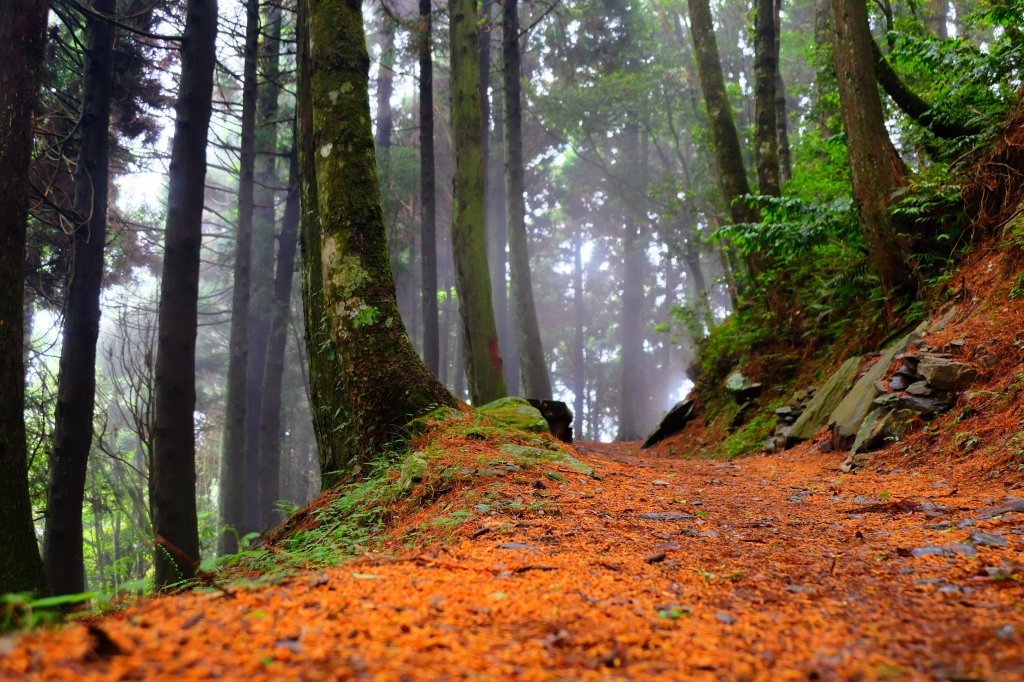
[270,420]
[781,120]
[383,381]
[579,377]
[876,169]
[936,16]
[428,193]
[76,383]
[536,381]
[469,248]
[766,77]
[264,226]
[325,385]
[22,46]
[174,439]
[385,88]
[233,455]
[732,175]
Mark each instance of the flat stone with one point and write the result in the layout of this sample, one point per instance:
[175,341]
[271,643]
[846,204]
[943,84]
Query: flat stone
[1014,505]
[945,374]
[673,422]
[920,388]
[726,618]
[849,414]
[956,549]
[880,428]
[516,545]
[824,402]
[987,539]
[665,516]
[924,406]
[517,412]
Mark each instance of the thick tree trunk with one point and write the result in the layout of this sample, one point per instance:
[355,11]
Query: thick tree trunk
[383,381]
[174,440]
[936,16]
[270,420]
[766,78]
[264,227]
[22,45]
[428,193]
[732,175]
[233,454]
[385,88]
[536,380]
[876,169]
[333,450]
[781,120]
[469,248]
[76,384]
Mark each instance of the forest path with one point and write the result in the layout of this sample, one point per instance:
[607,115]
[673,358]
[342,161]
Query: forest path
[767,568]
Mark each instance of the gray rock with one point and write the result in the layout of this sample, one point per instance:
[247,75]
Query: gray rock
[673,422]
[729,620]
[926,407]
[741,387]
[920,388]
[898,382]
[846,419]
[987,539]
[1013,505]
[880,428]
[946,375]
[956,549]
[824,402]
[966,523]
[665,516]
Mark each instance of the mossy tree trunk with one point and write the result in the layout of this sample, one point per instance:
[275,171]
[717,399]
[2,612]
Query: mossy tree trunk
[766,80]
[876,169]
[469,249]
[233,457]
[173,479]
[383,382]
[536,380]
[22,46]
[76,384]
[334,451]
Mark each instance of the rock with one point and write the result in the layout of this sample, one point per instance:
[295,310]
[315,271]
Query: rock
[986,539]
[743,389]
[920,388]
[924,406]
[517,412]
[710,534]
[879,429]
[1012,505]
[956,549]
[655,558]
[665,516]
[899,382]
[1005,632]
[516,545]
[558,416]
[946,375]
[824,402]
[659,482]
[966,523]
[729,620]
[846,419]
[673,422]
[784,411]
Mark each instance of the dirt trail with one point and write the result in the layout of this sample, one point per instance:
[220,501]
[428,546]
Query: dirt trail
[768,568]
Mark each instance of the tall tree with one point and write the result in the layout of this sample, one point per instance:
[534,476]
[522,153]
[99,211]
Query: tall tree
[263,229]
[270,420]
[536,380]
[876,169]
[428,191]
[383,382]
[469,249]
[174,439]
[766,80]
[732,175]
[76,384]
[334,449]
[233,453]
[22,45]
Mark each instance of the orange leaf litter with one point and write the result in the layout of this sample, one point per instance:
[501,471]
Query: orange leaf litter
[770,568]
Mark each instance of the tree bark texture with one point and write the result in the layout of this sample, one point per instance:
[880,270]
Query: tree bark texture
[233,454]
[270,420]
[876,169]
[781,119]
[264,227]
[333,450]
[174,444]
[384,383]
[76,383]
[936,16]
[534,369]
[732,175]
[579,376]
[22,46]
[766,78]
[428,192]
[385,88]
[469,249]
